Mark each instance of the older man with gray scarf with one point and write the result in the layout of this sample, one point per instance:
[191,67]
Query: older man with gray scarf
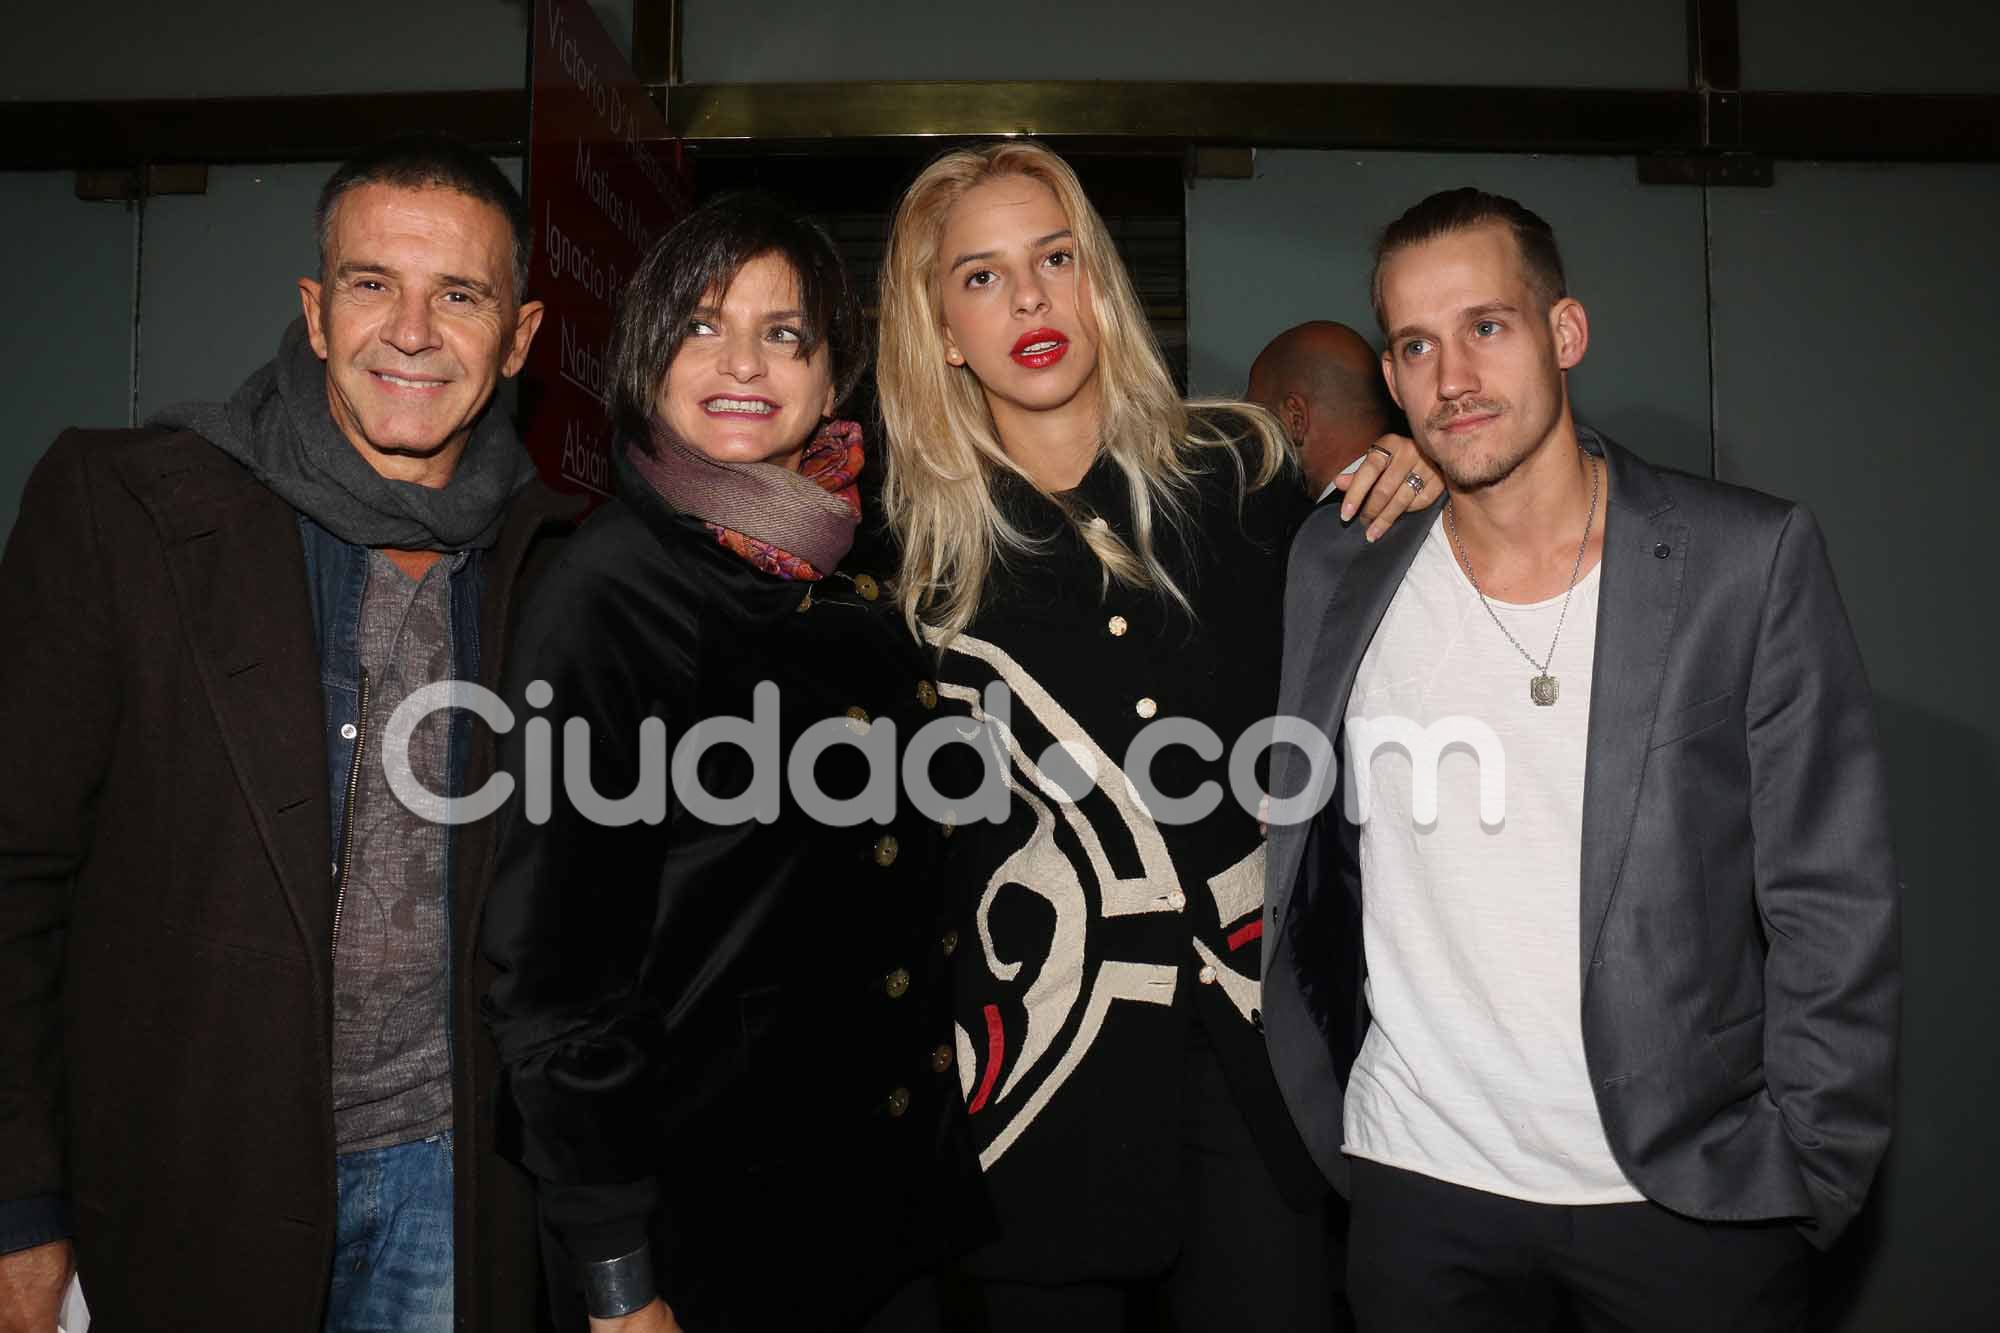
[242,1078]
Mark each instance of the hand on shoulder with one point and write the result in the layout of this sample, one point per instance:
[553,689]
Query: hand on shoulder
[1393,479]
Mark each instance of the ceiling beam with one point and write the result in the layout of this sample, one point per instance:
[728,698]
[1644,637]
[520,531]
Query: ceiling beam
[1143,117]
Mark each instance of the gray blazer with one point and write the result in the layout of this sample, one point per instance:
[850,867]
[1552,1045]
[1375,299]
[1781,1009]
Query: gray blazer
[1738,944]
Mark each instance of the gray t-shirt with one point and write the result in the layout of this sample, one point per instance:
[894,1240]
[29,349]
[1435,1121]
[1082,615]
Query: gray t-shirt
[391,978]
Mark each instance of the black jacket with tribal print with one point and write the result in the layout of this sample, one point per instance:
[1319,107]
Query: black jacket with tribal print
[1098,930]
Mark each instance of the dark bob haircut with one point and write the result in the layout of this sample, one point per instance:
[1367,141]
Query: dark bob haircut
[1451,211]
[702,254]
[428,162]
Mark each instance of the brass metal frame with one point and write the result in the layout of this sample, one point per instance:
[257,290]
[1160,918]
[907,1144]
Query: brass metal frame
[1294,115]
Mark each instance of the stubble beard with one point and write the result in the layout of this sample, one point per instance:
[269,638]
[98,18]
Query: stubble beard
[1485,465]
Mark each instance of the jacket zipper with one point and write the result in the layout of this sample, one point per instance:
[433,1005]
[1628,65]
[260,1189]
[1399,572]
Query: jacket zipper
[347,824]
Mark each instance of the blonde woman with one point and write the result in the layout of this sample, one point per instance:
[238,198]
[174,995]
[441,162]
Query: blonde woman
[1072,529]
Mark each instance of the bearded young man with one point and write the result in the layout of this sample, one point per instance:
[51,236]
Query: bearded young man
[243,1081]
[1624,1040]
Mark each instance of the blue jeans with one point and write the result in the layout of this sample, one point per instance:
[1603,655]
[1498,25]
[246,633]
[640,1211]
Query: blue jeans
[392,1269]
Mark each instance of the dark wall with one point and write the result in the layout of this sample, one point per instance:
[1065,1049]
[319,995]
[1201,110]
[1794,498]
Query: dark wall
[1855,346]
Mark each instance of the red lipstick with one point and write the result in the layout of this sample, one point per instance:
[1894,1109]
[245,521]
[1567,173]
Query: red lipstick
[1050,346]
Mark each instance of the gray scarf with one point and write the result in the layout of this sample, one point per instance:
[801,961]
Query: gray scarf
[280,426]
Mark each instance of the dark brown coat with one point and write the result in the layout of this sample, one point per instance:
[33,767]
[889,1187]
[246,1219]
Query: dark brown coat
[166,904]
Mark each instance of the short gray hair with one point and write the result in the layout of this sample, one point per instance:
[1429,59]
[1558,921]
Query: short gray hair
[429,162]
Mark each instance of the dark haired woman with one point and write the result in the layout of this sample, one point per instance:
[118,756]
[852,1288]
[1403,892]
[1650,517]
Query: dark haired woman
[725,1032]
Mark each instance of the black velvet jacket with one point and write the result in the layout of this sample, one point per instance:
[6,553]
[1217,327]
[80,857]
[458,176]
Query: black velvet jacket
[731,1037]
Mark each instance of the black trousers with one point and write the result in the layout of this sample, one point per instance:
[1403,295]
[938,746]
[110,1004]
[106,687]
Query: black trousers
[1424,1255]
[1248,1262]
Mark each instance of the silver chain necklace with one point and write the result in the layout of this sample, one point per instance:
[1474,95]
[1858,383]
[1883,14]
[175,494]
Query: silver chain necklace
[1542,687]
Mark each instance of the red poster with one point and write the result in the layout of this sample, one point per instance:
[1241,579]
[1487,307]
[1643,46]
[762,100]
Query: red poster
[604,181]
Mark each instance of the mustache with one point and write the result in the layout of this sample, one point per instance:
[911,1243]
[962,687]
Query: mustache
[1464,407]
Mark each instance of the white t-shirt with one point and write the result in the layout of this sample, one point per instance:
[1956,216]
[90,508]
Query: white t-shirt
[1473,1069]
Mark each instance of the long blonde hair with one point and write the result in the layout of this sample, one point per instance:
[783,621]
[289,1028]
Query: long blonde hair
[944,451]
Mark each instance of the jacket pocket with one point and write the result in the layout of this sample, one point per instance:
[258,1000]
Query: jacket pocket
[1739,1044]
[1685,722]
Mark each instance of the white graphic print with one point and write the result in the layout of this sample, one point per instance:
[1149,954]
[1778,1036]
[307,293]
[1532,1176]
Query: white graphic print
[1041,866]
[1239,893]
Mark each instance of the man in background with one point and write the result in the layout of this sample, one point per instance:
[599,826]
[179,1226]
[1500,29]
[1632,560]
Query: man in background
[243,1081]
[1323,382]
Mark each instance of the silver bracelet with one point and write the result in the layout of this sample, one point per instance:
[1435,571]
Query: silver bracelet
[614,1287]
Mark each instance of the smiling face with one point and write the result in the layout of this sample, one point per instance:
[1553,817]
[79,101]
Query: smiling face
[1015,300]
[738,390]
[417,322]
[1473,359]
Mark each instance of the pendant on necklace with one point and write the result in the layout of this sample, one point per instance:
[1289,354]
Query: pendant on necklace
[1542,689]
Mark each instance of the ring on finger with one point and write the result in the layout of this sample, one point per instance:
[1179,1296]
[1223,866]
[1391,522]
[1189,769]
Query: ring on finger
[1378,449]
[1415,482]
